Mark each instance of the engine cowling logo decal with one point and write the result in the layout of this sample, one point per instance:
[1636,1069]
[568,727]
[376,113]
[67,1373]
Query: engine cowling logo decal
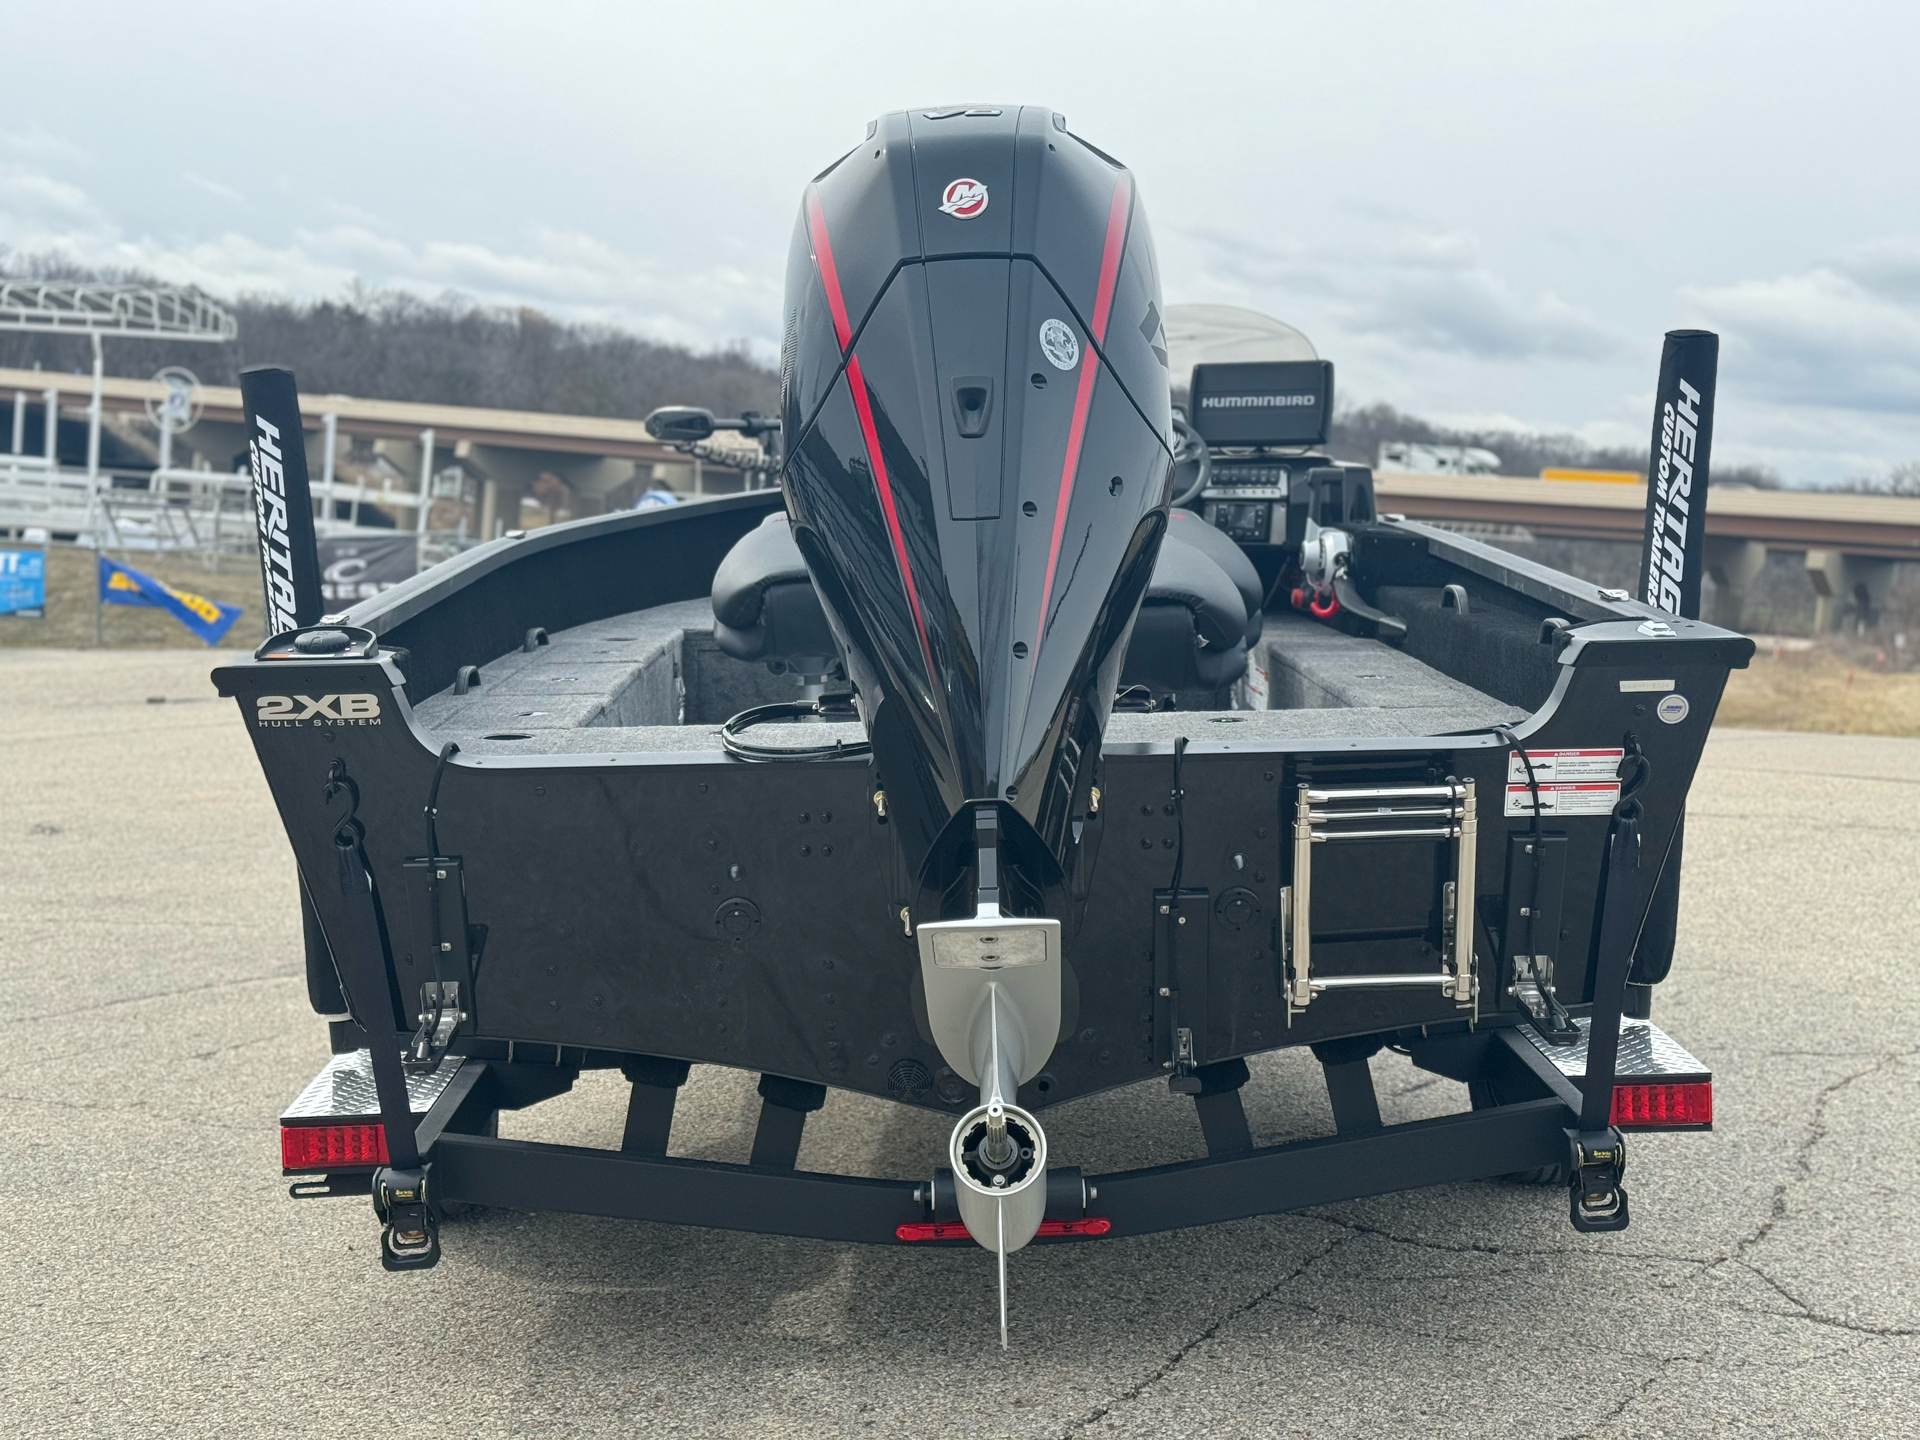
[964,199]
[1060,345]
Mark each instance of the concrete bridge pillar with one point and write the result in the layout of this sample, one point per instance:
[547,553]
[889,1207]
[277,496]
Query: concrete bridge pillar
[592,479]
[509,475]
[1732,565]
[506,475]
[1848,589]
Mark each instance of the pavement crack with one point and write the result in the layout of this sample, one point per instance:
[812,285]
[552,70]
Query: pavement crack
[1834,1322]
[220,1050]
[1804,1311]
[1464,1247]
[1635,1395]
[124,1000]
[1802,1171]
[1175,1360]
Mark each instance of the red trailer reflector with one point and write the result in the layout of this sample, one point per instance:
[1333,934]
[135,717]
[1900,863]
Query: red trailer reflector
[1087,1225]
[330,1147]
[931,1230]
[954,1230]
[1687,1103]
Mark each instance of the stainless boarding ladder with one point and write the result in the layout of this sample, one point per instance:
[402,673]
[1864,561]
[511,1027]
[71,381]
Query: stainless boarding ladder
[1394,812]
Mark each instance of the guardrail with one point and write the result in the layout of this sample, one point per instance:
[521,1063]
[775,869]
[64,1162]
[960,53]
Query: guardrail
[207,511]
[204,510]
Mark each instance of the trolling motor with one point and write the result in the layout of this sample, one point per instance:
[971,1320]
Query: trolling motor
[993,998]
[688,428]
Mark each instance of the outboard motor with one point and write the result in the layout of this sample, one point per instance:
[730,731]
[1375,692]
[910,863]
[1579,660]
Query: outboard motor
[977,424]
[976,416]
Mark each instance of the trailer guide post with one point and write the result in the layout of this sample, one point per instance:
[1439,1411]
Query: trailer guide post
[282,504]
[290,580]
[1673,556]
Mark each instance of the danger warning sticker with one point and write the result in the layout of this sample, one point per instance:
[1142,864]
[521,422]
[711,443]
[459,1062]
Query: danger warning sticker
[1563,798]
[1566,766]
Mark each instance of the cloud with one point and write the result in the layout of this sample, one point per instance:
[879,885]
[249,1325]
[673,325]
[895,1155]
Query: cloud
[40,146]
[569,274]
[1409,291]
[1843,336]
[29,198]
[215,188]
[1888,267]
[1819,371]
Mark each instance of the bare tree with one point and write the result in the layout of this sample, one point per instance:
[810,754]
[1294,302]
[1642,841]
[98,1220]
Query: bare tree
[1357,434]
[1901,480]
[452,350]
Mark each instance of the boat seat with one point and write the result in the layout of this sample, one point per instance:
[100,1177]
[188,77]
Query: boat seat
[1218,546]
[1199,618]
[1191,633]
[764,606]
[1201,614]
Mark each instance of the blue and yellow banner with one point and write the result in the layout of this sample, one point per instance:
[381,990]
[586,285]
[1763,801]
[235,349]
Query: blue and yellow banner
[123,585]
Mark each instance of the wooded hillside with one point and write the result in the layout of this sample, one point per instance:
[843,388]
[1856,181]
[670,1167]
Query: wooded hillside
[390,345]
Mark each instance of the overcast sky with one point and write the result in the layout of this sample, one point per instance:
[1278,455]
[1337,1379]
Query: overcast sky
[1480,212]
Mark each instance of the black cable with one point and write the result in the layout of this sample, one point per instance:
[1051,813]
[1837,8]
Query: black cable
[447,752]
[1642,774]
[1173,912]
[1179,820]
[790,711]
[1556,1012]
[1533,793]
[430,1025]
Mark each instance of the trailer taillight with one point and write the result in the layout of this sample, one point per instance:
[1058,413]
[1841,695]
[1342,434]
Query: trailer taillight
[329,1147]
[1687,1103]
[954,1230]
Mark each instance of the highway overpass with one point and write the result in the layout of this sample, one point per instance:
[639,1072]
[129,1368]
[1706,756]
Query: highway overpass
[1850,542]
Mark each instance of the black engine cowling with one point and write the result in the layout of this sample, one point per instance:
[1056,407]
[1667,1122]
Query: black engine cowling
[976,412]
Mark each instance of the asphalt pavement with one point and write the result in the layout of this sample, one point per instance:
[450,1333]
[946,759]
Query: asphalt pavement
[159,1281]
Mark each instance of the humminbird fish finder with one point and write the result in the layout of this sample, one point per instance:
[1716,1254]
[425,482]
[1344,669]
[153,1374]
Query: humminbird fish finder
[1281,402]
[1277,405]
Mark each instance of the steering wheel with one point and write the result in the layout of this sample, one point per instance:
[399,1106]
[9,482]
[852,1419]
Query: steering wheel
[1189,449]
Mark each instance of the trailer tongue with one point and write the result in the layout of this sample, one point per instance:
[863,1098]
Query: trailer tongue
[1032,740]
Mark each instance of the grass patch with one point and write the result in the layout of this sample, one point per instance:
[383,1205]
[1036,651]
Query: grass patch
[231,579]
[1825,689]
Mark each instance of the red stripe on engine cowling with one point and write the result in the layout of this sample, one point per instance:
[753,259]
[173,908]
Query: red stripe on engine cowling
[1083,395]
[857,387]
[829,275]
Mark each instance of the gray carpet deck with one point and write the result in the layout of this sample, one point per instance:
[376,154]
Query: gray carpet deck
[653,681]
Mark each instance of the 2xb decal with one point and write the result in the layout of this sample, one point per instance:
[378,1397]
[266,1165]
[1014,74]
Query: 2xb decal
[298,711]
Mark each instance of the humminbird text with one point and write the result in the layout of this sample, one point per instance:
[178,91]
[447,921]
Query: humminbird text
[1257,402]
